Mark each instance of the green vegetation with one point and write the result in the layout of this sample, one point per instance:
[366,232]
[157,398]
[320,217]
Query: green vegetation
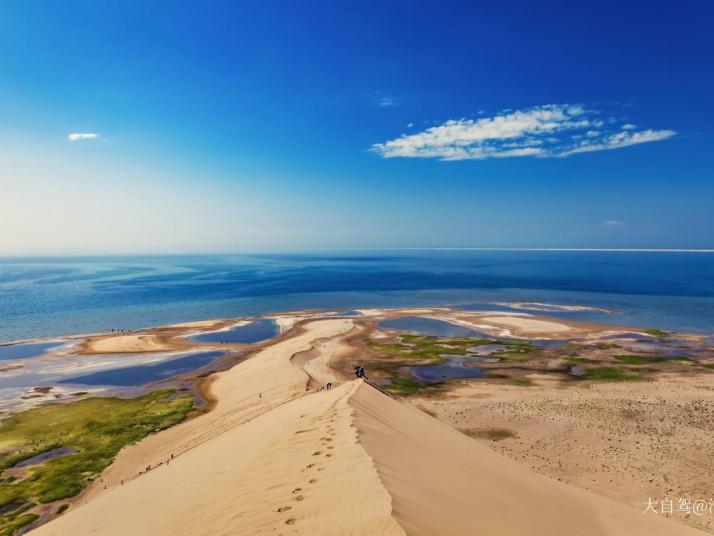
[96,428]
[492,434]
[656,333]
[611,374]
[634,359]
[429,350]
[403,387]
[575,359]
[423,348]
[513,355]
[601,345]
[62,508]
[9,524]
[526,382]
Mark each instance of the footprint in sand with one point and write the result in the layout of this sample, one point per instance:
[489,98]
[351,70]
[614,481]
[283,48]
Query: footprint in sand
[299,498]
[328,455]
[317,453]
[290,521]
[297,490]
[312,480]
[310,466]
[284,508]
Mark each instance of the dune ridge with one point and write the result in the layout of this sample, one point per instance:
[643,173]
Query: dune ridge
[277,456]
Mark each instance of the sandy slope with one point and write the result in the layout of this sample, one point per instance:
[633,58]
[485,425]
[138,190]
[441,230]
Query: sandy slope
[277,458]
[442,482]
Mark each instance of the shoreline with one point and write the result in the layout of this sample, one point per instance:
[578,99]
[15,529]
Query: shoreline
[314,347]
[315,454]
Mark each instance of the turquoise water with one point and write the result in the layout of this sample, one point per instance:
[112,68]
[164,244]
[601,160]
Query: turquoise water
[45,297]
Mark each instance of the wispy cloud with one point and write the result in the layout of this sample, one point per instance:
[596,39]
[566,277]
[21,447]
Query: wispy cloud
[612,223]
[553,130]
[387,102]
[79,136]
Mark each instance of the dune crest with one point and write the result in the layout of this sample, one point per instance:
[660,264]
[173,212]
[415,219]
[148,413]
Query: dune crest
[276,456]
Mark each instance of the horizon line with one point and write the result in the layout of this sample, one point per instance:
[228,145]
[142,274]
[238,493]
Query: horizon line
[276,249]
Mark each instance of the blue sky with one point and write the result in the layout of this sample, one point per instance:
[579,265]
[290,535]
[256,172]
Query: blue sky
[177,127]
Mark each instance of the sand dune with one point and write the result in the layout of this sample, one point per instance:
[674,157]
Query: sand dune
[117,344]
[276,457]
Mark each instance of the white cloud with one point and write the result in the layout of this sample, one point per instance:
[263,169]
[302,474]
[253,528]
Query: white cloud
[629,126]
[544,131]
[387,102]
[78,136]
[619,139]
[613,223]
[410,125]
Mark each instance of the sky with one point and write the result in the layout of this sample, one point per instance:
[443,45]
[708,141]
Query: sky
[179,127]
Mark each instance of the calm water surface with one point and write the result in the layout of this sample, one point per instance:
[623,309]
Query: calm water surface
[260,330]
[48,297]
[143,374]
[24,351]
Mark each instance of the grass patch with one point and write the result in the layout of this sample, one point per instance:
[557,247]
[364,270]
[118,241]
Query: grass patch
[9,526]
[611,374]
[429,350]
[492,434]
[403,387]
[62,508]
[425,349]
[526,382]
[512,355]
[97,428]
[575,359]
[656,333]
[634,359]
[515,350]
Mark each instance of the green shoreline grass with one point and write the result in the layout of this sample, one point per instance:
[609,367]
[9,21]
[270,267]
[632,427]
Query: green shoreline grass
[429,350]
[611,374]
[97,428]
[634,359]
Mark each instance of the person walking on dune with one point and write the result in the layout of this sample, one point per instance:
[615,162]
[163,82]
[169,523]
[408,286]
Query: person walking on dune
[359,372]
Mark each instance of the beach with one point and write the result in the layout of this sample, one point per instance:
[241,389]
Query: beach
[279,454]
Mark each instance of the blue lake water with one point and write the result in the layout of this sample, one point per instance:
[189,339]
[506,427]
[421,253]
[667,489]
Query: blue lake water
[24,351]
[430,326]
[47,297]
[257,331]
[45,456]
[453,369]
[143,374]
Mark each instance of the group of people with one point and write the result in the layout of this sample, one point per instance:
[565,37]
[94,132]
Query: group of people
[359,372]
